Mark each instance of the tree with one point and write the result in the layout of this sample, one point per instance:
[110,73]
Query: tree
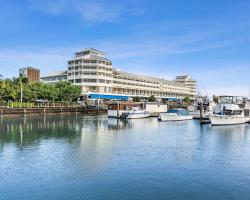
[10,89]
[152,98]
[186,99]
[136,99]
[215,99]
[67,92]
[46,91]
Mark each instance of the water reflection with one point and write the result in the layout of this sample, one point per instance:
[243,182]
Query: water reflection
[75,153]
[29,131]
[116,124]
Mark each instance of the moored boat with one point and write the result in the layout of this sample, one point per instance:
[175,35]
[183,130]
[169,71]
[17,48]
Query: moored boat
[175,115]
[229,113]
[137,113]
[122,109]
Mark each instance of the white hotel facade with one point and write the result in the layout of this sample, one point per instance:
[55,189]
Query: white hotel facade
[94,73]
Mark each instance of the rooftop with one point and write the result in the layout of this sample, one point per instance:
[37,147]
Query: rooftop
[91,53]
[147,78]
[56,73]
[29,67]
[184,78]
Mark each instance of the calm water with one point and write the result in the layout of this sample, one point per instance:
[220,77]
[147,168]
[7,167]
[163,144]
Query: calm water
[93,157]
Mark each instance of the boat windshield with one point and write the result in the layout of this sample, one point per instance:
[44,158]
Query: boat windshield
[232,112]
[179,112]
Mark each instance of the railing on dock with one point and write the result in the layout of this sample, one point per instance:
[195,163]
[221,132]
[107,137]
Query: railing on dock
[24,108]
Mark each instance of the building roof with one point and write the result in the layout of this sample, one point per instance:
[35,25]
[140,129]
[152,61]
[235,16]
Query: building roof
[91,50]
[184,78]
[147,78]
[56,73]
[91,53]
[29,67]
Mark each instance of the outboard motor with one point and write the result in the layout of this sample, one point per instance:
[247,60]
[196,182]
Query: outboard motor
[124,115]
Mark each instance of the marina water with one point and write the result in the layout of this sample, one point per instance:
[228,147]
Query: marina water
[93,157]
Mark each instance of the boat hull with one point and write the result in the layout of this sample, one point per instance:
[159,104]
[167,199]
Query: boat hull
[220,120]
[138,116]
[116,113]
[167,117]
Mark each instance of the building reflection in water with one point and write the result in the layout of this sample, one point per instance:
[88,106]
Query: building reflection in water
[98,138]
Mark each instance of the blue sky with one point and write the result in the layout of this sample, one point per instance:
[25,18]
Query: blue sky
[208,39]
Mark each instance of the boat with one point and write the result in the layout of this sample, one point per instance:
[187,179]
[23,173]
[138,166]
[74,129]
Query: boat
[175,115]
[229,113]
[121,109]
[208,107]
[137,113]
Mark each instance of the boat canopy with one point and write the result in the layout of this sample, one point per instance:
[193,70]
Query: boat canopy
[173,99]
[108,96]
[179,112]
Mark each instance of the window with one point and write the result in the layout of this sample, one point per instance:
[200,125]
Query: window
[78,80]
[89,80]
[237,112]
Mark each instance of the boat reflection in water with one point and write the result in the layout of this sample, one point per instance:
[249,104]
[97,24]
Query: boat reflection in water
[93,157]
[117,124]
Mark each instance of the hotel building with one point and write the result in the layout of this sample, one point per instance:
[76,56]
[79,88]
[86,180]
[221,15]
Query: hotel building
[94,73]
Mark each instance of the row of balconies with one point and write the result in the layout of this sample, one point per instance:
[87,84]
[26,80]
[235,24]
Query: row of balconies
[83,61]
[153,89]
[159,94]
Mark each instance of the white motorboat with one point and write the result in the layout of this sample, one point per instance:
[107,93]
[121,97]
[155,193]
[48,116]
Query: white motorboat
[229,113]
[121,109]
[175,115]
[137,113]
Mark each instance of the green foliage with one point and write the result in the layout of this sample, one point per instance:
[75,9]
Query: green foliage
[215,99]
[67,91]
[136,99]
[10,90]
[187,99]
[152,98]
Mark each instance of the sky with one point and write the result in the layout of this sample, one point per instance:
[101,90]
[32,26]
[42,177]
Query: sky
[208,39]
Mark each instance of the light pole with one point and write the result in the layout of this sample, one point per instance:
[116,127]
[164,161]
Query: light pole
[21,91]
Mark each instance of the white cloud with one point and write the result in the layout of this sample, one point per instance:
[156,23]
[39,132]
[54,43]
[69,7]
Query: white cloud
[92,11]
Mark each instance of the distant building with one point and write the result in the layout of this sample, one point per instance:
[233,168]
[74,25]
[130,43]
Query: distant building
[55,77]
[32,74]
[94,73]
[188,81]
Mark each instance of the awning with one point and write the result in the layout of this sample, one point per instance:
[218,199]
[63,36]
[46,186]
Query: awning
[108,96]
[173,99]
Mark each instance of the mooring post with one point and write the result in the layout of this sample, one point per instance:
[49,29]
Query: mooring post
[201,111]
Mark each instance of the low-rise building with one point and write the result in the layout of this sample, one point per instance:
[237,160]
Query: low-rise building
[32,74]
[55,77]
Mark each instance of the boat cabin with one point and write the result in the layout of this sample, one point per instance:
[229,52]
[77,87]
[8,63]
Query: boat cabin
[181,112]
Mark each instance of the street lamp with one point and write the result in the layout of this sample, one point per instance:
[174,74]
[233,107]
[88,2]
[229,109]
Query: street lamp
[21,91]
